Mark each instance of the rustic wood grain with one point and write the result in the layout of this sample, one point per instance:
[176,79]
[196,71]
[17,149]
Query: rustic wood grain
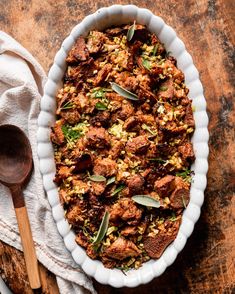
[206,265]
[13,272]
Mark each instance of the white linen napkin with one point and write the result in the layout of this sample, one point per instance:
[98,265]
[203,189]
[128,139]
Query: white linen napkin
[21,87]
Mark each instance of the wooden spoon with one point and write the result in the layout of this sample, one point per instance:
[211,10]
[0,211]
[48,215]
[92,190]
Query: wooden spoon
[16,165]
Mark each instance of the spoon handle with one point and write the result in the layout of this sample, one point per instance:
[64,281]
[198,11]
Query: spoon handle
[26,238]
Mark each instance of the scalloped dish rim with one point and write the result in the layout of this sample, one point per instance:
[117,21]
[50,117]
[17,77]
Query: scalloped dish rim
[104,17]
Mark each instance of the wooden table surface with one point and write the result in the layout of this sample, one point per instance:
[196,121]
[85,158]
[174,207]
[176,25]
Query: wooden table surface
[207,263]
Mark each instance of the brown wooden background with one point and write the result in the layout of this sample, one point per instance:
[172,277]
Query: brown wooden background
[207,264]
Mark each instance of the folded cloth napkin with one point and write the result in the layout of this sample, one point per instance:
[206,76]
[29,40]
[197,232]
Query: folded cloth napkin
[21,87]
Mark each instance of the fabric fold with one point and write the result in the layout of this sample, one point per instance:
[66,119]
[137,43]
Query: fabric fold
[21,87]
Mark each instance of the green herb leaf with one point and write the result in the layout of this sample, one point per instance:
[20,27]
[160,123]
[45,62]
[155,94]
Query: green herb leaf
[110,181]
[163,88]
[98,93]
[155,49]
[70,134]
[102,229]
[111,230]
[97,178]
[158,160]
[100,106]
[146,200]
[147,128]
[131,32]
[146,63]
[123,92]
[184,203]
[67,105]
[184,174]
[118,189]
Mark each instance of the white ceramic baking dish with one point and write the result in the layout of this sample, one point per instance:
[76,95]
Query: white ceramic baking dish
[101,19]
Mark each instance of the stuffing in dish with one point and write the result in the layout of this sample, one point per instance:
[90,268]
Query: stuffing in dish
[122,145]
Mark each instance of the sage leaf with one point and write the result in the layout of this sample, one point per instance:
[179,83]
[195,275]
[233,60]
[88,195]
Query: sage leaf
[123,92]
[102,229]
[146,200]
[97,178]
[118,189]
[130,32]
[110,181]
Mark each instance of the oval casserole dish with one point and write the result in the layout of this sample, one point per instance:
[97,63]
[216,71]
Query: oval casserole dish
[101,19]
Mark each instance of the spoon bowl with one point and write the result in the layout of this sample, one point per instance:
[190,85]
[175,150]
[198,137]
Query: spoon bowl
[16,165]
[15,156]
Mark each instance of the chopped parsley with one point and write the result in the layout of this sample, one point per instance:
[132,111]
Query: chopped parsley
[98,93]
[73,133]
[69,133]
[101,106]
[186,175]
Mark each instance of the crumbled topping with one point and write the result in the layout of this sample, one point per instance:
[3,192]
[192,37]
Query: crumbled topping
[123,129]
